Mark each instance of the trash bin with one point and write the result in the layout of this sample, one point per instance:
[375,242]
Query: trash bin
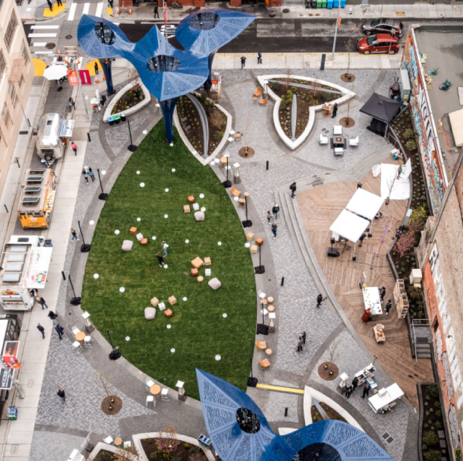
[12,413]
[319,3]
[330,4]
[324,4]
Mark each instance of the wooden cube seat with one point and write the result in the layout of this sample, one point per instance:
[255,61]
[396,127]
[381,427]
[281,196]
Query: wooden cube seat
[207,261]
[133,230]
[154,301]
[190,199]
[264,364]
[144,241]
[194,272]
[168,313]
[259,241]
[186,208]
[254,249]
[250,236]
[172,300]
[261,345]
[197,262]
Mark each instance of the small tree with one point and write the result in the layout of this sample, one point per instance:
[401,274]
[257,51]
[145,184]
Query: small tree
[333,353]
[405,243]
[418,218]
[289,73]
[168,442]
[129,453]
[348,48]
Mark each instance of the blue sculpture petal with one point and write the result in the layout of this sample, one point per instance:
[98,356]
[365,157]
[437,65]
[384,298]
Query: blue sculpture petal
[237,436]
[206,31]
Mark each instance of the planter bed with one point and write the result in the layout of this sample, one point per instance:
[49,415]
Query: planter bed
[185,451]
[432,429]
[331,413]
[190,122]
[306,98]
[129,99]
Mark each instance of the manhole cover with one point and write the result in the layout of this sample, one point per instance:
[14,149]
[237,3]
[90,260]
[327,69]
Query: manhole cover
[285,10]
[68,37]
[50,46]
[328,371]
[347,77]
[347,122]
[246,152]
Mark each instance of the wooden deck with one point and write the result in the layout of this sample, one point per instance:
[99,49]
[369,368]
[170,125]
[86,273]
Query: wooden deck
[320,206]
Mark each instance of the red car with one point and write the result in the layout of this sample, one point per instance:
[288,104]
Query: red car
[380,43]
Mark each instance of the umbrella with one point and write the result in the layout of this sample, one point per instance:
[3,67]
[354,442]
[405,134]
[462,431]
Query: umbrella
[56,72]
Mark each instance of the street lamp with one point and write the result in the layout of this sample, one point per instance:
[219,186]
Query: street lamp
[75,300]
[260,268]
[84,247]
[132,147]
[227,183]
[103,196]
[247,223]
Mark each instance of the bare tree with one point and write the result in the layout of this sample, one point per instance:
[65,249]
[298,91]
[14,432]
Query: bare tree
[332,351]
[100,379]
[289,75]
[348,48]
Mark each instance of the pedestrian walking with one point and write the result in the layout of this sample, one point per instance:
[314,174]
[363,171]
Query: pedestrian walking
[165,248]
[59,3]
[91,174]
[320,299]
[382,293]
[74,147]
[50,5]
[388,306]
[274,229]
[96,67]
[41,330]
[155,12]
[300,345]
[42,302]
[361,239]
[355,383]
[348,391]
[293,189]
[110,3]
[62,394]
[275,211]
[53,317]
[160,259]
[243,61]
[366,390]
[85,174]
[334,111]
[303,337]
[72,103]
[260,58]
[34,292]
[59,330]
[269,217]
[74,235]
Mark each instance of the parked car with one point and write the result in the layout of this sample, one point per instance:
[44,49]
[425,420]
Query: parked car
[380,43]
[383,26]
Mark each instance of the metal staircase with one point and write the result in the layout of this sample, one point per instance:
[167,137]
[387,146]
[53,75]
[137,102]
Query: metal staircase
[421,338]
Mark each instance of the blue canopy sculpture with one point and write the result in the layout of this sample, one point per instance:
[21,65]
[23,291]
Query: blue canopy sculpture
[239,431]
[205,31]
[166,72]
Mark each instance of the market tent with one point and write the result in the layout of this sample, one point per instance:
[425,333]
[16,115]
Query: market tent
[382,110]
[349,226]
[456,126]
[365,203]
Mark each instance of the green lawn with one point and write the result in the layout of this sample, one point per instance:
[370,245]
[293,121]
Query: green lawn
[199,331]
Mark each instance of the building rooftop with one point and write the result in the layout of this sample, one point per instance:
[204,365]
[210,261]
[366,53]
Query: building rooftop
[443,47]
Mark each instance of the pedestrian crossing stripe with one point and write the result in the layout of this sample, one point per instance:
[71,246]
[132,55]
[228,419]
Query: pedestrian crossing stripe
[72,12]
[44,27]
[42,35]
[296,391]
[99,10]
[86,8]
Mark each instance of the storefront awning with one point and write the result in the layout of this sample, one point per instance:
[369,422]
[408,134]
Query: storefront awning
[349,226]
[365,203]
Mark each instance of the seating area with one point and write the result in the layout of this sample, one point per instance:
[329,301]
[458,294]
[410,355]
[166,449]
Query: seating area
[337,141]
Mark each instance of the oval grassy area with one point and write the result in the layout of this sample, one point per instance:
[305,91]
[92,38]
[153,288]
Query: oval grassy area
[199,331]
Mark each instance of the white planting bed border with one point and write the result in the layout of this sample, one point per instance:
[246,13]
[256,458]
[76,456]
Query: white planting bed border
[312,110]
[119,95]
[221,145]
[186,439]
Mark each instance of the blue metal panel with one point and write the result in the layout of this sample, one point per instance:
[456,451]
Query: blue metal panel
[220,402]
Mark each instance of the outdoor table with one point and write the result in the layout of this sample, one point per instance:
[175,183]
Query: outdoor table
[270,299]
[155,390]
[118,441]
[372,300]
[338,141]
[269,352]
[80,336]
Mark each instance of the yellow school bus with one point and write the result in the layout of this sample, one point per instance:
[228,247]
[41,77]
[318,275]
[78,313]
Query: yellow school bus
[37,198]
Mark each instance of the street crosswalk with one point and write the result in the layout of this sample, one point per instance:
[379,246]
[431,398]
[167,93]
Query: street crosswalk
[78,9]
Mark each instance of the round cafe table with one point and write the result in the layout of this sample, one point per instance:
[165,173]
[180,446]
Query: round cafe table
[155,390]
[80,336]
[118,441]
[269,352]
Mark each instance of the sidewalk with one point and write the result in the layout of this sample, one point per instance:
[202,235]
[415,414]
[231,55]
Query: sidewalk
[417,11]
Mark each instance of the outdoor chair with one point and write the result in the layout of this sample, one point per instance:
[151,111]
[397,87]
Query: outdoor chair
[263,101]
[261,345]
[75,330]
[323,139]
[88,341]
[150,399]
[164,394]
[264,364]
[149,383]
[235,192]
[77,346]
[339,151]
[258,92]
[354,142]
[338,130]
[108,440]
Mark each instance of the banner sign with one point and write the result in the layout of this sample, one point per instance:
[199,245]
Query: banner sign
[6,379]
[84,74]
[10,355]
[73,78]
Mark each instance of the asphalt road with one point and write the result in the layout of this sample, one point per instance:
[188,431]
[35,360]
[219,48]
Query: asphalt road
[286,35]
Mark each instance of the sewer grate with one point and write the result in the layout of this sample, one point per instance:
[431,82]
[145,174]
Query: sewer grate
[68,37]
[387,437]
[50,46]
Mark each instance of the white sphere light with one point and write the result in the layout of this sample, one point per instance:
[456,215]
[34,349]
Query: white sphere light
[138,219]
[138,172]
[96,276]
[122,290]
[165,216]
[165,266]
[217,357]
[247,245]
[187,241]
[166,190]
[116,231]
[91,222]
[173,350]
[236,199]
[127,339]
[184,299]
[203,209]
[168,326]
[224,315]
[145,132]
[202,196]
[173,170]
[219,243]
[103,172]
[154,238]
[142,185]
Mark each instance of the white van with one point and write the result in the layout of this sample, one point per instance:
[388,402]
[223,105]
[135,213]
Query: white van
[51,142]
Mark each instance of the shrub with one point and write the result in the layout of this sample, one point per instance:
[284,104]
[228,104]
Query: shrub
[418,218]
[325,96]
[432,391]
[433,454]
[217,135]
[438,414]
[210,110]
[405,243]
[458,453]
[275,86]
[411,145]
[408,134]
[289,93]
[294,90]
[438,425]
[430,438]
[283,105]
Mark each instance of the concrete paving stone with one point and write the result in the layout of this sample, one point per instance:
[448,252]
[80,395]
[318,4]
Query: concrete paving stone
[48,445]
[19,437]
[17,450]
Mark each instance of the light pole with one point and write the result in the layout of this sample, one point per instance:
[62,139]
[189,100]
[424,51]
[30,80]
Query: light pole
[227,183]
[75,300]
[115,354]
[132,147]
[84,247]
[103,196]
[247,223]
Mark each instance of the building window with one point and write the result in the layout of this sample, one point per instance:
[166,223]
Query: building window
[6,116]
[2,64]
[10,31]
[21,81]
[13,95]
[25,54]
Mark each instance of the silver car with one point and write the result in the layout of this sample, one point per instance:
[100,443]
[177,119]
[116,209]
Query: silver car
[383,26]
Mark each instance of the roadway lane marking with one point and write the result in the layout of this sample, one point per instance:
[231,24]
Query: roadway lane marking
[99,10]
[86,8]
[72,12]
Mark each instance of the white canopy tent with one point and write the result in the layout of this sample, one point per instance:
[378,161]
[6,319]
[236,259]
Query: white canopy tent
[365,203]
[350,226]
